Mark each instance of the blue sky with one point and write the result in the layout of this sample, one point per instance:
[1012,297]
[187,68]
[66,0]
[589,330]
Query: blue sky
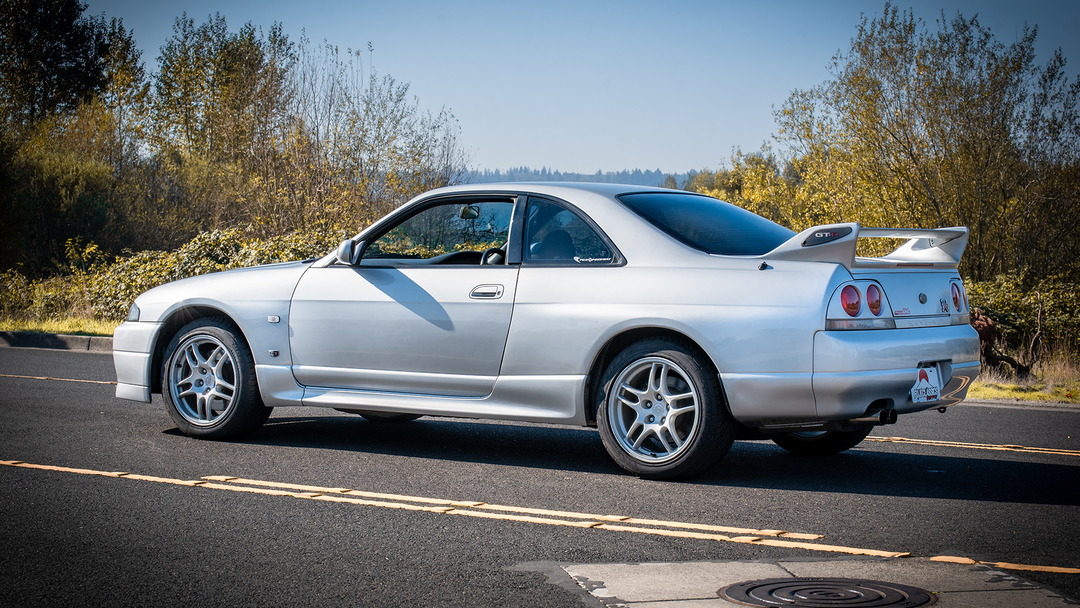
[584,86]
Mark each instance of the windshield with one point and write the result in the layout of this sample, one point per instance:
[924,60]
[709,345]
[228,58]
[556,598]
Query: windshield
[708,224]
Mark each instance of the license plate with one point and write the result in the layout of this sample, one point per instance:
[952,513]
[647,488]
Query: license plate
[927,387]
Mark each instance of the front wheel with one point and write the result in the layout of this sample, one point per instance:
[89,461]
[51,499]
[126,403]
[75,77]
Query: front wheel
[208,381]
[821,443]
[661,411]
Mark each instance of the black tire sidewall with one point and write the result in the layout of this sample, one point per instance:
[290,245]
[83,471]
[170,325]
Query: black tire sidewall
[715,430]
[247,412]
[832,442]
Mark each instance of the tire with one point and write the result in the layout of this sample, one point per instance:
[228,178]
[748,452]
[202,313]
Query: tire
[208,381]
[684,429]
[821,443]
[384,416]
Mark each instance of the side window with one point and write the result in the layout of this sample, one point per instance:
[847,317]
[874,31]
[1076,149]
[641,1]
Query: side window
[556,235]
[444,229]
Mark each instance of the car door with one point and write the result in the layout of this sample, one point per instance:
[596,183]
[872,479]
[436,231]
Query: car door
[419,313]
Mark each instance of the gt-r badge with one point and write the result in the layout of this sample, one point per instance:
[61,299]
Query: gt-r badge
[903,312]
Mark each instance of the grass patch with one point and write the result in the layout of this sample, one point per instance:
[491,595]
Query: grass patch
[72,326]
[1056,378]
[1035,392]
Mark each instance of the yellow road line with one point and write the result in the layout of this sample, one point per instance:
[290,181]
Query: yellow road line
[775,538]
[1005,565]
[59,379]
[976,446]
[511,509]
[779,538]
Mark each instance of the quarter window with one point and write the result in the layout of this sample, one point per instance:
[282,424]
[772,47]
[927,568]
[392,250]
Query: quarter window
[557,235]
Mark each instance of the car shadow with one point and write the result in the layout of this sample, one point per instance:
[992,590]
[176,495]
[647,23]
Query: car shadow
[867,469]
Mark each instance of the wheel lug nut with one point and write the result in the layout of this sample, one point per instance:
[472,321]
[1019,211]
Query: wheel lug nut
[650,419]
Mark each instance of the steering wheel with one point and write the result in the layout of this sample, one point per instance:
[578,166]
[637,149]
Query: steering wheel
[493,256]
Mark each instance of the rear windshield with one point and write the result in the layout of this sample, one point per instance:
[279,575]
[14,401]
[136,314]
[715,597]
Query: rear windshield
[708,224]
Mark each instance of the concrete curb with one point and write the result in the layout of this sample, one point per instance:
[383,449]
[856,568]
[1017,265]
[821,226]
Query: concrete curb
[25,339]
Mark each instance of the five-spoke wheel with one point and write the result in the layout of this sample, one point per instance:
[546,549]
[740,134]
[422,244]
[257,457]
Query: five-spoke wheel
[208,381]
[661,412]
[202,380]
[654,411]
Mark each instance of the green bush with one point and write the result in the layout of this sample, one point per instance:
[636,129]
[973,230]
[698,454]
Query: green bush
[114,289]
[15,293]
[1015,310]
[106,291]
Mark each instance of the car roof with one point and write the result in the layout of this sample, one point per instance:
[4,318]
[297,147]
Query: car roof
[558,189]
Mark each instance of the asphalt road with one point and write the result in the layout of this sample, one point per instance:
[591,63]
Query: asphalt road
[70,535]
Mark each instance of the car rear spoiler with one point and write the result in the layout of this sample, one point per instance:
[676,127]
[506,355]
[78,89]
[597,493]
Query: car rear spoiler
[938,247]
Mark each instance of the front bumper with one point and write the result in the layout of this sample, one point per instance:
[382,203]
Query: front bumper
[133,348]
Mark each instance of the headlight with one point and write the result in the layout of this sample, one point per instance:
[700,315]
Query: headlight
[133,313]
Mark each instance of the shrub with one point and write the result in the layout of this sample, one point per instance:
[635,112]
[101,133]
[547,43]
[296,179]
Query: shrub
[114,289]
[1015,310]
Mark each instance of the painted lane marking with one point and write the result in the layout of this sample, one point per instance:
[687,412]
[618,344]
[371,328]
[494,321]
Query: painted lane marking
[1005,565]
[58,379]
[480,505]
[976,446]
[484,510]
[581,520]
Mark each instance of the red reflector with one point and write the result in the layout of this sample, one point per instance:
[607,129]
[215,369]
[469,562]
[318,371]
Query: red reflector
[849,299]
[873,299]
[956,298]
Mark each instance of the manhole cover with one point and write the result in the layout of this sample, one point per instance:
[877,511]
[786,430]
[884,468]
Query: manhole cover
[825,592]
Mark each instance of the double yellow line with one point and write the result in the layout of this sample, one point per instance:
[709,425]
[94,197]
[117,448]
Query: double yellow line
[976,446]
[614,523]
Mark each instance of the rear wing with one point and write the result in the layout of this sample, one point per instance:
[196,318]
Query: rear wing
[937,248]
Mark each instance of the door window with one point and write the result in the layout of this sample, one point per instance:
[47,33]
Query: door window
[443,232]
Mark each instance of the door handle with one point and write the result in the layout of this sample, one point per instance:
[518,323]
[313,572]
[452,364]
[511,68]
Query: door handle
[486,292]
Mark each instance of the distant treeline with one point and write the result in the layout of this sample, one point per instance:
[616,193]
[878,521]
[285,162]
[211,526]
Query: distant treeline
[637,177]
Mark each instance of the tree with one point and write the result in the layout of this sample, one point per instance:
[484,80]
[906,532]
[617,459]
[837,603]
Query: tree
[948,127]
[51,59]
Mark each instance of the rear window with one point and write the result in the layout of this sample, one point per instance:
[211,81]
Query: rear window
[708,224]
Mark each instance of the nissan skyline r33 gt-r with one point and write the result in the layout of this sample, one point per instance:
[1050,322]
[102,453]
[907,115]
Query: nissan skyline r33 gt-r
[672,321]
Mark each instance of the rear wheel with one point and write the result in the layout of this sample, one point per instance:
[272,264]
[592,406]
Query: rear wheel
[821,443]
[661,412]
[208,381]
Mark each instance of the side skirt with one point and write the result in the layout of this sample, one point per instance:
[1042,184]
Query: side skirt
[550,399]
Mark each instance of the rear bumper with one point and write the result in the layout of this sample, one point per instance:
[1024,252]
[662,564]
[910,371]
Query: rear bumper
[853,369]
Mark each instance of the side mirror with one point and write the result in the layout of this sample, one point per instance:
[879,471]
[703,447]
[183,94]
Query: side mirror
[470,212]
[350,251]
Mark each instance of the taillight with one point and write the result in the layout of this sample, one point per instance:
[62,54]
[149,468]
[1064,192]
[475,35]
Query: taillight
[956,299]
[873,299]
[850,301]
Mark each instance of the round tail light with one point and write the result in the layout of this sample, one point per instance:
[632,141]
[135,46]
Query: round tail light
[873,299]
[956,299]
[850,300]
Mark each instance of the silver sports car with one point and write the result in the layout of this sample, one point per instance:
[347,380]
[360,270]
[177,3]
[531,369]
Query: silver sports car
[674,322]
